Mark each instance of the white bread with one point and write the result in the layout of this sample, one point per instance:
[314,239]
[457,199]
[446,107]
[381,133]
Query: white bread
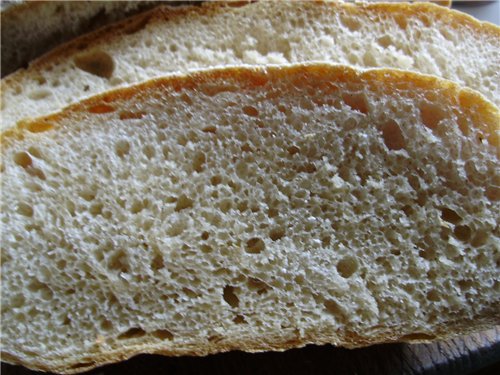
[30,28]
[252,209]
[420,37]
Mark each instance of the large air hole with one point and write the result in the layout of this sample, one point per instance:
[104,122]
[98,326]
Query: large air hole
[333,308]
[230,296]
[163,334]
[250,111]
[431,115]
[255,245]
[449,215]
[239,319]
[132,333]
[347,266]
[183,202]
[98,63]
[277,233]
[393,137]
[462,232]
[23,159]
[356,101]
[25,209]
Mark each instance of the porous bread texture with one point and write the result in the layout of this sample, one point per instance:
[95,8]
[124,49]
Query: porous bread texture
[252,209]
[419,37]
[30,28]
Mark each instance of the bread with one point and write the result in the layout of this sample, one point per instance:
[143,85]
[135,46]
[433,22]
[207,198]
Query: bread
[421,37]
[30,28]
[252,209]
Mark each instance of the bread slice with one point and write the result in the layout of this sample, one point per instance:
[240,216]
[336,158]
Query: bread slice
[420,37]
[251,209]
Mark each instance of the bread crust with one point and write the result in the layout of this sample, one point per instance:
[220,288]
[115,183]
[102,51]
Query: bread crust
[250,77]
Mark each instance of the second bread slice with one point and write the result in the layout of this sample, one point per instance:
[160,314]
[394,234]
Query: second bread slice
[251,209]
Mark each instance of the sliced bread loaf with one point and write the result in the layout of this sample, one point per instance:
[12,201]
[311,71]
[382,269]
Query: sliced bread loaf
[420,37]
[252,209]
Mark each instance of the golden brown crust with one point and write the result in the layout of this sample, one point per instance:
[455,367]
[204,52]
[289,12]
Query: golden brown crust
[380,80]
[486,115]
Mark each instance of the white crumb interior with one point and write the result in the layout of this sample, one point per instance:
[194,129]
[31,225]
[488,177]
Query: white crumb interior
[241,214]
[261,33]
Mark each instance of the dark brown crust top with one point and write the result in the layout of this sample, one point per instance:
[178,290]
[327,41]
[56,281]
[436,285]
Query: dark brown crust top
[386,81]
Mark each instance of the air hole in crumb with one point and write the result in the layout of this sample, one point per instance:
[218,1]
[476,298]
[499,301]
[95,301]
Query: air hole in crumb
[131,334]
[183,202]
[129,115]
[356,101]
[206,248]
[450,215]
[118,261]
[23,159]
[307,168]
[98,63]
[246,148]
[25,209]
[215,180]
[385,41]
[88,194]
[239,319]
[230,297]
[190,293]
[36,172]
[276,233]
[433,295]
[480,238]
[408,210]
[157,262]
[186,99]
[429,254]
[210,129]
[393,138]
[333,308]
[347,266]
[493,193]
[255,245]
[138,206]
[163,334]
[350,22]
[250,111]
[431,115]
[122,148]
[462,232]
[292,150]
[106,325]
[198,161]
[257,285]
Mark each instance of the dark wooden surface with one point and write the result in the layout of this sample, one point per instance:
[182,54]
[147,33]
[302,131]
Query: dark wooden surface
[460,356]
